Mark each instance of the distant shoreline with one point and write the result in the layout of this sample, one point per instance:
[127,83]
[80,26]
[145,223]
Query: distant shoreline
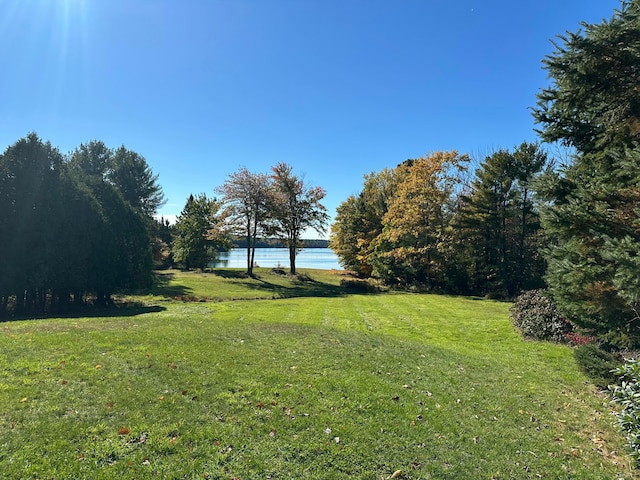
[277,243]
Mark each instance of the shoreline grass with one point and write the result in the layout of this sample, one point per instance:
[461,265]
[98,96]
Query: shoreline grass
[314,383]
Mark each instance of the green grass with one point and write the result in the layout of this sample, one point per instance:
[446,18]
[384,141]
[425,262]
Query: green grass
[304,381]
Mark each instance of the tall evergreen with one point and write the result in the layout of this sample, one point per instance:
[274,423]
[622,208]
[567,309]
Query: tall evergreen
[66,229]
[499,225]
[592,210]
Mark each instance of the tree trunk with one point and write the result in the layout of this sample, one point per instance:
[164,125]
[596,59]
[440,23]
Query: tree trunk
[292,259]
[249,256]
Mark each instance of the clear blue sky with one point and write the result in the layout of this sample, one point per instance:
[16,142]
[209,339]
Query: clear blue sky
[336,88]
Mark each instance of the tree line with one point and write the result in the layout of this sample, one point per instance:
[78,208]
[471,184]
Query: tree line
[73,224]
[424,223]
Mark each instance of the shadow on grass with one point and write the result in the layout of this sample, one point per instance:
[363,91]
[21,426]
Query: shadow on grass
[300,286]
[264,283]
[116,309]
[221,272]
[162,286]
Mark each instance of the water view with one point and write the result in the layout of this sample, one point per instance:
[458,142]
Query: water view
[320,258]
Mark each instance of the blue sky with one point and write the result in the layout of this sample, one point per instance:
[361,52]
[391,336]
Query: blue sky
[336,88]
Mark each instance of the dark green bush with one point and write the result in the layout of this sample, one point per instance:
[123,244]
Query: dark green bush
[537,318]
[597,364]
[354,285]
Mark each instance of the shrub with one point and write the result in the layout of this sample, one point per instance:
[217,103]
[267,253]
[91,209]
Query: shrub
[354,285]
[536,317]
[627,395]
[596,363]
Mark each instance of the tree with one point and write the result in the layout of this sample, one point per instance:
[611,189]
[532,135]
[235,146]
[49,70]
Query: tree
[134,179]
[118,234]
[414,244]
[195,234]
[592,206]
[499,225]
[359,221]
[295,208]
[30,210]
[593,103]
[246,195]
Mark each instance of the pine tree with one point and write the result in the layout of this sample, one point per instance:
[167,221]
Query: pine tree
[592,210]
[195,236]
[499,224]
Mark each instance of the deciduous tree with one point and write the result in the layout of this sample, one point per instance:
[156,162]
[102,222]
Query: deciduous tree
[295,207]
[359,221]
[246,196]
[414,244]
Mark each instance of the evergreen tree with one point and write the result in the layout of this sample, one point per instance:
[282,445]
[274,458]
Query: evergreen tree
[196,237]
[132,176]
[29,192]
[499,224]
[591,212]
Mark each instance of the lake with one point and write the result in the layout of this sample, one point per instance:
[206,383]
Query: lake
[319,258]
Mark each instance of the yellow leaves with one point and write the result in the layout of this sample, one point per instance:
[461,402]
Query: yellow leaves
[395,474]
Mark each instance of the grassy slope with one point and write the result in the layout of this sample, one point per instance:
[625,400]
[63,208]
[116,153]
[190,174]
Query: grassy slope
[321,386]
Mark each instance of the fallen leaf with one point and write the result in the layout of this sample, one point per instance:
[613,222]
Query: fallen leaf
[98,367]
[63,382]
[396,474]
[124,431]
[24,399]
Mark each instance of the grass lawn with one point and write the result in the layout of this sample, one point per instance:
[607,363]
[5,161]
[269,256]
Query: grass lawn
[303,381]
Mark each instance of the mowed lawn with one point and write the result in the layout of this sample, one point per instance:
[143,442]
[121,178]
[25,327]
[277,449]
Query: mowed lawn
[221,376]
